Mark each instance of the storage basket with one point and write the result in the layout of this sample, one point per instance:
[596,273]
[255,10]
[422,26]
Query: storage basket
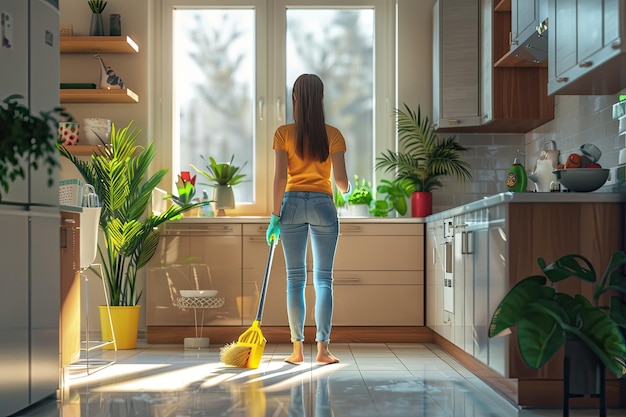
[71,192]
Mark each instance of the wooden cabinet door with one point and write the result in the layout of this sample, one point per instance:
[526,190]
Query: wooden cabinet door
[195,256]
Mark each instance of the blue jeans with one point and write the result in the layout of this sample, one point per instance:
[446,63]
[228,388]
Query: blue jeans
[302,212]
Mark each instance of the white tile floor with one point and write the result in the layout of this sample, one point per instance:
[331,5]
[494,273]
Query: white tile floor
[374,380]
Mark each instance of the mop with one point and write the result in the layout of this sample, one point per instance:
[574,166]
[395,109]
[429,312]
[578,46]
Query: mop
[247,351]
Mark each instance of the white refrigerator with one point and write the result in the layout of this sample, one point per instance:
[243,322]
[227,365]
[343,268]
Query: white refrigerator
[29,216]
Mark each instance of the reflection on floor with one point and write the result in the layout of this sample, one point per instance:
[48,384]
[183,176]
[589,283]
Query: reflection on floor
[383,380]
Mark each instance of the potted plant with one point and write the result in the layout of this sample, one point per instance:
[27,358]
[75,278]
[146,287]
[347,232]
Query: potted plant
[423,158]
[547,319]
[223,177]
[394,197]
[186,186]
[26,137]
[119,175]
[360,198]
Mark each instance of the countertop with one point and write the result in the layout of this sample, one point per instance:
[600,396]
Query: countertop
[512,198]
[486,202]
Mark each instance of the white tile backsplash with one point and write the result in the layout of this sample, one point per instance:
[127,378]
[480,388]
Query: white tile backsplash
[578,120]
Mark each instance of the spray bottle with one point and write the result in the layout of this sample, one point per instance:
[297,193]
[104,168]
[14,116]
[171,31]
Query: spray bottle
[516,179]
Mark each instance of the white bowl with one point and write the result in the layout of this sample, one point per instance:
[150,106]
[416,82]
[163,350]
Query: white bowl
[198,293]
[582,179]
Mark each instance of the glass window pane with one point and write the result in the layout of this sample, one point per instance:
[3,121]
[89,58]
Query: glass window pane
[214,91]
[338,46]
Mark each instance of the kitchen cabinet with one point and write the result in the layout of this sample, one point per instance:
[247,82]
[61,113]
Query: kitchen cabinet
[496,247]
[95,45]
[586,52]
[526,42]
[437,318]
[378,279]
[195,257]
[479,84]
[379,275]
[69,326]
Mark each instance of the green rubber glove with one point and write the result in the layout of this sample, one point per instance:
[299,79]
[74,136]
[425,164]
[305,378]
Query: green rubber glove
[273,230]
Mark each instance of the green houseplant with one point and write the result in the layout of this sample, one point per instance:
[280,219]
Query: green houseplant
[423,158]
[546,319]
[119,175]
[360,197]
[394,197]
[222,176]
[26,136]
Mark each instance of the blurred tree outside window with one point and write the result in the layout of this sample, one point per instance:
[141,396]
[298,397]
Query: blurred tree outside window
[217,105]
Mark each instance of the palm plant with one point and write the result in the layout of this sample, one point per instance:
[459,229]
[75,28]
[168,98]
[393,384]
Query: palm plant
[119,175]
[424,157]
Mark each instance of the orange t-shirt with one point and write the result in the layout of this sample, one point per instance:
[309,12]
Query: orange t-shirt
[303,175]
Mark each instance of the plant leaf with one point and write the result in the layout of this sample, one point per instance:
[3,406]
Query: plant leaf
[569,266]
[539,337]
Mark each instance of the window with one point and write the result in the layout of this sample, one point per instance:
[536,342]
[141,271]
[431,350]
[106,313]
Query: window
[232,69]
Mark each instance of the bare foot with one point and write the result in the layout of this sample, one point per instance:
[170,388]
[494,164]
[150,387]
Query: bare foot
[327,358]
[296,356]
[324,355]
[295,359]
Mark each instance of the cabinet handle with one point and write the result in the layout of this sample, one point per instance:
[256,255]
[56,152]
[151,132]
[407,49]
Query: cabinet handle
[512,39]
[261,108]
[562,79]
[463,243]
[256,239]
[454,122]
[70,221]
[585,64]
[351,229]
[346,280]
[469,246]
[617,44]
[63,238]
[446,322]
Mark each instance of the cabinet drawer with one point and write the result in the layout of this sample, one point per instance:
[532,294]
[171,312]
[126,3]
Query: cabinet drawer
[395,229]
[383,278]
[185,229]
[374,305]
[380,253]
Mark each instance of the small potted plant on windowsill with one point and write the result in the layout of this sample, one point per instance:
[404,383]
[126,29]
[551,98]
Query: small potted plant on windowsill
[547,319]
[186,186]
[223,177]
[360,198]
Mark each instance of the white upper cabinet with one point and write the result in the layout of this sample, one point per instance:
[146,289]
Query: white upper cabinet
[586,51]
[456,63]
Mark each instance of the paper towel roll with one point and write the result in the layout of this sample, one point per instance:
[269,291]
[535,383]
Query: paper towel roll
[89,220]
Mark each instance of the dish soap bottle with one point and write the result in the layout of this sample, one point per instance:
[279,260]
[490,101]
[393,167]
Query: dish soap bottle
[516,179]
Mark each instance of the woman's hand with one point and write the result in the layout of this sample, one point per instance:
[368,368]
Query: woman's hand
[273,230]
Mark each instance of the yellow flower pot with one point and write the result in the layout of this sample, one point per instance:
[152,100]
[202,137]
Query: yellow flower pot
[125,321]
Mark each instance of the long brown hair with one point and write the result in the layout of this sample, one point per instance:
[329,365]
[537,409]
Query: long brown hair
[308,113]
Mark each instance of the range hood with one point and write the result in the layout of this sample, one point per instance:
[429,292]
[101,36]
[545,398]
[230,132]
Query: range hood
[535,47]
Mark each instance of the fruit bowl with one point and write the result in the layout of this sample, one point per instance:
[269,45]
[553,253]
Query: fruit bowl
[582,179]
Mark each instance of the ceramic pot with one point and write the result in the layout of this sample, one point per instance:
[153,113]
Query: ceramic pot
[97,25]
[421,204]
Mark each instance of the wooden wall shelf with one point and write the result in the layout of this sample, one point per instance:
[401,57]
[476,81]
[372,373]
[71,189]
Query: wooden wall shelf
[98,96]
[98,44]
[83,150]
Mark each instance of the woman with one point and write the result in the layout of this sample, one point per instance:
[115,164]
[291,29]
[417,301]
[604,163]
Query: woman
[305,154]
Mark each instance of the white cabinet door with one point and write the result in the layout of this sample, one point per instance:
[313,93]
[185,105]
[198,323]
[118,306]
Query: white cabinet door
[480,329]
[14,306]
[586,52]
[459,285]
[456,95]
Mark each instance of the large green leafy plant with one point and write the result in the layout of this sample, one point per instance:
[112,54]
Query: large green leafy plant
[26,136]
[119,175]
[546,318]
[423,157]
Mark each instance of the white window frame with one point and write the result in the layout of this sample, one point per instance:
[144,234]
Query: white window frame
[270,85]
